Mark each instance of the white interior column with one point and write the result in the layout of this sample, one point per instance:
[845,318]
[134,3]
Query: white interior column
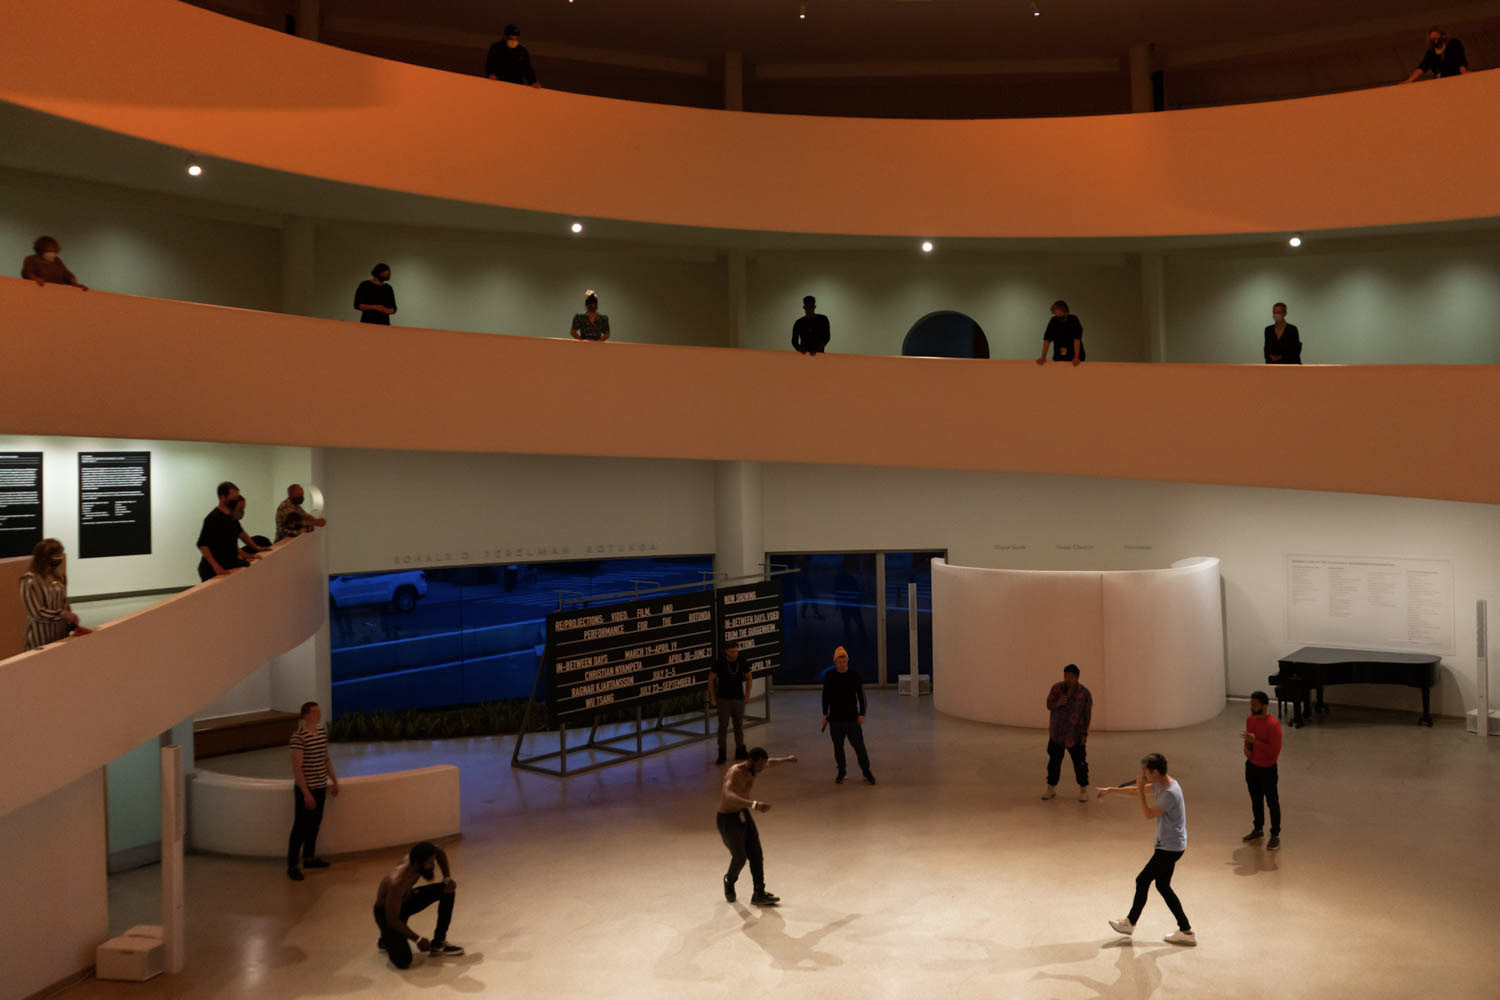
[739,522]
[739,310]
[1140,78]
[309,12]
[299,256]
[734,81]
[1154,305]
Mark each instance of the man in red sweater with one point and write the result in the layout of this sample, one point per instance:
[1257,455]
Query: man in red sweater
[1262,738]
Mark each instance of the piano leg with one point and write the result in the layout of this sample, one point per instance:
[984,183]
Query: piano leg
[1322,705]
[1299,695]
[1426,719]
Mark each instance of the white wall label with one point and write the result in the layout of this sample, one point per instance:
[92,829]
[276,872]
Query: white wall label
[1370,602]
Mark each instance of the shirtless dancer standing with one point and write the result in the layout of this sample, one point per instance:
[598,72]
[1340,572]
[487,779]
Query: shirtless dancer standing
[737,826]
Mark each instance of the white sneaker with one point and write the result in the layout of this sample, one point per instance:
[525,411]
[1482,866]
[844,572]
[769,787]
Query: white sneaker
[1051,792]
[1123,926]
[1181,937]
[1083,793]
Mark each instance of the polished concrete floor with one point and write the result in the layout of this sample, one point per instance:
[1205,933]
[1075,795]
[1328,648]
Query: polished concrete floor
[948,879]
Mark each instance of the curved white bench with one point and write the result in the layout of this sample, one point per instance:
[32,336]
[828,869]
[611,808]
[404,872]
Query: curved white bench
[228,814]
[1149,643]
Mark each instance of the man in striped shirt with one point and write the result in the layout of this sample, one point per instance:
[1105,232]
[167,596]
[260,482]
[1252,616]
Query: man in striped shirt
[312,772]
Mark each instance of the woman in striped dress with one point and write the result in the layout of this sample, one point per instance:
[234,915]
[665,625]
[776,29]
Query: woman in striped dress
[44,592]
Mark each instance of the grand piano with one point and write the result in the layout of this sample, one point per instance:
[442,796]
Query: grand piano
[1312,668]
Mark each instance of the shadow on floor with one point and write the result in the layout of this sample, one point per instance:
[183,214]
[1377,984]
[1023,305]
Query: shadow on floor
[1252,859]
[767,928]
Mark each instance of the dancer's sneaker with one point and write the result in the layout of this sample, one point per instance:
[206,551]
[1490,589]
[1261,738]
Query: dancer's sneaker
[443,949]
[1252,835]
[1123,926]
[764,898]
[728,890]
[1181,937]
[1050,793]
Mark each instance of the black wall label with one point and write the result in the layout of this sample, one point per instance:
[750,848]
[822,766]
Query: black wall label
[114,504]
[20,502]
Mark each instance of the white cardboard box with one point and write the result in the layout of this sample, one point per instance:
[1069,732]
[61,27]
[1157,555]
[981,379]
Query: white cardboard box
[135,956]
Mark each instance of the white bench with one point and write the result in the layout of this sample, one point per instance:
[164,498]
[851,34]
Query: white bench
[228,814]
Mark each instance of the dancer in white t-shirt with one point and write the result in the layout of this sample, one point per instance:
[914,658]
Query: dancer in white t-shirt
[1170,814]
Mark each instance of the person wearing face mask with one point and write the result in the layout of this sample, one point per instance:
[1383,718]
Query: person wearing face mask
[45,267]
[1283,343]
[220,535]
[590,324]
[261,542]
[375,298]
[509,62]
[291,519]
[1444,57]
[44,592]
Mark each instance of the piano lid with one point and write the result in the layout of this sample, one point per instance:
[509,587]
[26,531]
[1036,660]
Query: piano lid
[1328,655]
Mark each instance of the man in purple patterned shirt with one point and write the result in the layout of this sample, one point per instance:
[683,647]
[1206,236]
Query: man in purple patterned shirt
[1072,709]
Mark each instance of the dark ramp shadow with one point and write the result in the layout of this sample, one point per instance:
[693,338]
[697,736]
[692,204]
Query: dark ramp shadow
[1252,860]
[793,954]
[1139,975]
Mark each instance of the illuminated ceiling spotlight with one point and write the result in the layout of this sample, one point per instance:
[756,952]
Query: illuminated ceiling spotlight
[194,169]
[1035,11]
[1295,241]
[802,12]
[577,227]
[927,246]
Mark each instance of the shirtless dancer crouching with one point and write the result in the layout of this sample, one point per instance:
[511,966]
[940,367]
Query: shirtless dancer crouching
[399,897]
[737,826]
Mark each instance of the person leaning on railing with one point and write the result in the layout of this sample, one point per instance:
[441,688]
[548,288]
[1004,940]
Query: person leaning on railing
[1444,57]
[45,267]
[291,519]
[44,592]
[221,531]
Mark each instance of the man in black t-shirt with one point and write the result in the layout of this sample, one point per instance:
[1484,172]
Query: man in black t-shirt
[1065,334]
[221,531]
[376,299]
[810,334]
[728,690]
[1445,57]
[509,62]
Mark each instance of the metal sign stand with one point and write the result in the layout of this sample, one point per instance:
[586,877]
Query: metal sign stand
[681,725]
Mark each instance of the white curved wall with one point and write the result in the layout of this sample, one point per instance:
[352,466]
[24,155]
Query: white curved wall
[75,705]
[228,814]
[1149,644]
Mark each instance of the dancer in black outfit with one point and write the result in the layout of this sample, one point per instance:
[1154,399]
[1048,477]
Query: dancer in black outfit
[844,714]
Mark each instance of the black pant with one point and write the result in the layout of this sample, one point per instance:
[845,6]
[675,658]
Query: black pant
[856,734]
[739,835]
[732,710]
[303,843]
[1262,784]
[1054,762]
[397,945]
[1159,869]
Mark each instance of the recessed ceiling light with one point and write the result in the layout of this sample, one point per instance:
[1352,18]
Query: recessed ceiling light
[193,169]
[1295,241]
[927,246]
[577,227]
[802,13]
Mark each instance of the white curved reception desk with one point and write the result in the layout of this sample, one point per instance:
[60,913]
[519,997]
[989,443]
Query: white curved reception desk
[1149,643]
